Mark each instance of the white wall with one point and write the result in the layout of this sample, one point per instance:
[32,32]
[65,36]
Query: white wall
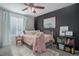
[30,23]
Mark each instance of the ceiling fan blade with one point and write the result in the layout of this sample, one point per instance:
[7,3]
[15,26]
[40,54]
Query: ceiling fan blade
[39,7]
[25,9]
[25,4]
[29,4]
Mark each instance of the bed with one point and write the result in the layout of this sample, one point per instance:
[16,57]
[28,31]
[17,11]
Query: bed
[29,38]
[32,38]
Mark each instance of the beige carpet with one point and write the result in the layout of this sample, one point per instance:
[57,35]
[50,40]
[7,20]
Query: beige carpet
[25,51]
[5,51]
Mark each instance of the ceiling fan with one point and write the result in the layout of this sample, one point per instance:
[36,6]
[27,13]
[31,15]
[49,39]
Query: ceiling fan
[32,7]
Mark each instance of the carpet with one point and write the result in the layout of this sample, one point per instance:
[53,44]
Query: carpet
[25,51]
[5,51]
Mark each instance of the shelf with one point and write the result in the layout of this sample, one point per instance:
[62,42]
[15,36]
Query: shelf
[66,44]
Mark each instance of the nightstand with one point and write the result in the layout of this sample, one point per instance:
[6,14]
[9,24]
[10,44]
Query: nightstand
[19,40]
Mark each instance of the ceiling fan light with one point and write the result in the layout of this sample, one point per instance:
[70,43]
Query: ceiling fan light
[33,8]
[34,11]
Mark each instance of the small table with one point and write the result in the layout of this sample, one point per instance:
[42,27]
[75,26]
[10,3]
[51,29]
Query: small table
[19,40]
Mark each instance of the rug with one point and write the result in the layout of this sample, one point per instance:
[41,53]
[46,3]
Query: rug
[5,51]
[25,51]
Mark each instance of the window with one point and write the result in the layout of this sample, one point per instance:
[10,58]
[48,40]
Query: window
[16,26]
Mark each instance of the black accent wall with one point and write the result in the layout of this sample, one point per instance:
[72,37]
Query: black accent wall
[67,16]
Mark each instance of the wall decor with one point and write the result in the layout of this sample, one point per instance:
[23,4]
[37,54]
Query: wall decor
[61,46]
[63,30]
[49,22]
[69,33]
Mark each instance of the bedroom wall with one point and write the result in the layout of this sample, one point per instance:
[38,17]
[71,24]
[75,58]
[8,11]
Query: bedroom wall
[68,16]
[30,23]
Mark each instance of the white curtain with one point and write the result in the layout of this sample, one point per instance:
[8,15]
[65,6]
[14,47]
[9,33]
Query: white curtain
[5,35]
[24,22]
[17,25]
[5,27]
[0,28]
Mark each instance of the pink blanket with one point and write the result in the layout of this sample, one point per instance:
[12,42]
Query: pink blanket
[48,37]
[39,44]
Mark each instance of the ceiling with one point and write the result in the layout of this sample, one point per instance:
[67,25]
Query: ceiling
[49,7]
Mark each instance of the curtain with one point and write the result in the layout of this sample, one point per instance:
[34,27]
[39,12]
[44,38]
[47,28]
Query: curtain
[5,34]
[5,26]
[17,25]
[0,28]
[24,22]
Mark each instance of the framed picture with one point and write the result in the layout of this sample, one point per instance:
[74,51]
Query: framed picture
[61,46]
[63,30]
[50,22]
[69,33]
